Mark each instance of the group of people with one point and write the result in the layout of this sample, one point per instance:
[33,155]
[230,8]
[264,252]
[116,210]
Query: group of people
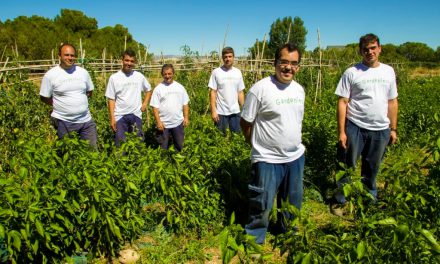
[270,118]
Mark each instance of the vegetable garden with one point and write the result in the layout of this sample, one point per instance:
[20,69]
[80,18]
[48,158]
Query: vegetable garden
[60,199]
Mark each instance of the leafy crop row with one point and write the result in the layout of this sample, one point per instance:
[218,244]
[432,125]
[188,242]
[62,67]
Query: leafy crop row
[59,198]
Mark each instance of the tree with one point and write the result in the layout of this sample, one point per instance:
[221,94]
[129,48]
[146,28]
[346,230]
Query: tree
[416,51]
[285,30]
[76,22]
[437,54]
[299,33]
[390,54]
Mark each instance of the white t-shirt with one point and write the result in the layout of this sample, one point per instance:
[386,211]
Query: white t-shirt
[68,89]
[170,99]
[127,90]
[276,111]
[368,90]
[227,83]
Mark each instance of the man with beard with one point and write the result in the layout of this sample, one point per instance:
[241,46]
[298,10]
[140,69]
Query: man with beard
[271,121]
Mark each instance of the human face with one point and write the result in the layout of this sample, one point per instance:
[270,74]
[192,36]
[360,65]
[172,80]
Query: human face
[67,57]
[370,54]
[128,64]
[168,75]
[287,66]
[228,60]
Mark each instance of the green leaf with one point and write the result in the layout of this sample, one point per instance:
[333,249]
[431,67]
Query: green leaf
[88,178]
[35,247]
[23,172]
[360,250]
[16,241]
[2,231]
[132,186]
[56,227]
[39,227]
[93,213]
[306,259]
[428,235]
[232,220]
[387,221]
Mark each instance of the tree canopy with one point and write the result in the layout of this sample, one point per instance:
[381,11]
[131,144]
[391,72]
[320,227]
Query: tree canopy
[281,31]
[37,37]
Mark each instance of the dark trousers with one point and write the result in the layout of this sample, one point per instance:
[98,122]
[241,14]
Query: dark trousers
[177,133]
[233,121]
[284,181]
[368,144]
[127,124]
[86,131]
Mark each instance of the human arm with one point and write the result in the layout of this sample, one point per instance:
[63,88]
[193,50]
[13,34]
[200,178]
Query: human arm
[159,123]
[393,106]
[341,116]
[111,110]
[213,102]
[246,127]
[89,93]
[185,115]
[147,98]
[241,98]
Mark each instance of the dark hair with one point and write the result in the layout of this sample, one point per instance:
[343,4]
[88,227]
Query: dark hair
[367,39]
[227,50]
[63,45]
[129,52]
[167,66]
[291,47]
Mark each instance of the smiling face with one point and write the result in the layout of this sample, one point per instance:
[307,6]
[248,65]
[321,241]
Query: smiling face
[67,57]
[168,74]
[287,66]
[370,53]
[128,64]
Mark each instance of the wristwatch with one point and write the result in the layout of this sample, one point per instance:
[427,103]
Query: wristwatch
[393,129]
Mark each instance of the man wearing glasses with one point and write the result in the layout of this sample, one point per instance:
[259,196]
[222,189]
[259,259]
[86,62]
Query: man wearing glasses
[271,121]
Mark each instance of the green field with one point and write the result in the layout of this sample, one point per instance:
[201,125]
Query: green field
[62,202]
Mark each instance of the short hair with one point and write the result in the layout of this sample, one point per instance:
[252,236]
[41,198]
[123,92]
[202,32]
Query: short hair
[227,50]
[291,47]
[64,45]
[129,52]
[367,39]
[167,66]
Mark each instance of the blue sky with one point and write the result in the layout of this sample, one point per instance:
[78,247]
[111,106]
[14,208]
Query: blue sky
[166,25]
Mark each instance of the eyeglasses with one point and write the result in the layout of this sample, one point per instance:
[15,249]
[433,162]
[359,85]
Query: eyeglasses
[284,63]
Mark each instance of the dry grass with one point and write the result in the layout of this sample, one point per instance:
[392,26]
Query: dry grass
[424,72]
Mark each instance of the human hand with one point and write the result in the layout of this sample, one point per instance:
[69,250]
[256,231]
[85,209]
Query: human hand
[393,137]
[343,140]
[113,124]
[214,117]
[160,126]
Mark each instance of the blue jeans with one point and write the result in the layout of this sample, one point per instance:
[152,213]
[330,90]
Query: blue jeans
[233,121]
[86,131]
[371,145]
[268,179]
[163,137]
[127,124]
